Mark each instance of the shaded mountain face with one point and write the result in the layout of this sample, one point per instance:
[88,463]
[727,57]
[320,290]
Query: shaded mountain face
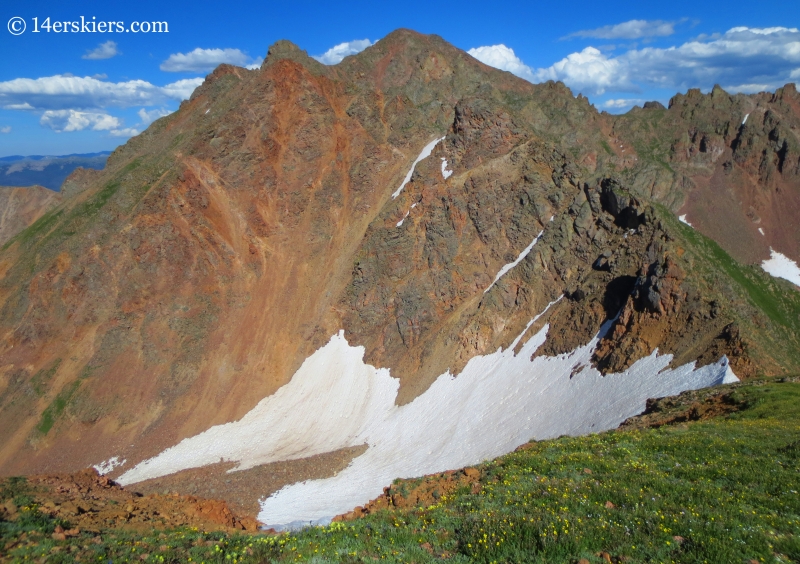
[220,248]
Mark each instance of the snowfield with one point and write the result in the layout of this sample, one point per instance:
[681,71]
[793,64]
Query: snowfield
[781,266]
[498,402]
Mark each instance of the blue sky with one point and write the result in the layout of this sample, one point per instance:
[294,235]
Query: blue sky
[79,92]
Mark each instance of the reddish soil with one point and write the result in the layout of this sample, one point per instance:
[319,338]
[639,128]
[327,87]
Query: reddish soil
[241,490]
[94,503]
[418,492]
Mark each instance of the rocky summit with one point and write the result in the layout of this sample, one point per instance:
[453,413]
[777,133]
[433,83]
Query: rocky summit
[433,212]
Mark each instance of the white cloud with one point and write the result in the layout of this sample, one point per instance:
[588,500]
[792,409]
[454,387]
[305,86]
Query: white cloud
[152,115]
[5,129]
[335,54]
[633,29]
[181,89]
[763,31]
[61,92]
[503,58]
[127,132]
[205,60]
[72,120]
[741,60]
[103,51]
[588,71]
[763,58]
[621,103]
[24,106]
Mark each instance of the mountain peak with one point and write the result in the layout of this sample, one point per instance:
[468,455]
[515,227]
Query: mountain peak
[285,49]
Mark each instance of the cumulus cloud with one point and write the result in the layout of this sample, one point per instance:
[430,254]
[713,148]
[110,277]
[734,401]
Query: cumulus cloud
[588,71]
[152,115]
[5,129]
[621,103]
[205,60]
[127,132]
[103,51]
[181,89]
[72,120]
[62,92]
[502,57]
[335,54]
[633,29]
[741,60]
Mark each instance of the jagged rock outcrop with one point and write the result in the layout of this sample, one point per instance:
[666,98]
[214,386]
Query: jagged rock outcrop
[729,162]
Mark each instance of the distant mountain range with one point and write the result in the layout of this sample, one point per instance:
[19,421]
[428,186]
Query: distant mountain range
[46,170]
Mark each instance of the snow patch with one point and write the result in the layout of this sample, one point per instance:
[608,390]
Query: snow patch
[498,402]
[761,231]
[445,173]
[518,260]
[781,266]
[426,152]
[107,466]
[682,219]
[744,121]
[516,341]
[399,223]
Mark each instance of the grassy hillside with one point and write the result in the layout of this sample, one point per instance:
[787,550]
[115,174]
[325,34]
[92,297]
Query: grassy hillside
[767,309]
[718,490]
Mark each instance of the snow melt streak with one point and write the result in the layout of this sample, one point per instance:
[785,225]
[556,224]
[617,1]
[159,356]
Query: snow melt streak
[781,266]
[426,152]
[497,403]
[519,259]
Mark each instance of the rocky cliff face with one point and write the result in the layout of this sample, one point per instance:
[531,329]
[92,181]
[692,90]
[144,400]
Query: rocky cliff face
[190,278]
[728,162]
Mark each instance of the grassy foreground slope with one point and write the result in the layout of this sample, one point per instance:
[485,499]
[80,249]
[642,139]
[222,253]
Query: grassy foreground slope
[718,490]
